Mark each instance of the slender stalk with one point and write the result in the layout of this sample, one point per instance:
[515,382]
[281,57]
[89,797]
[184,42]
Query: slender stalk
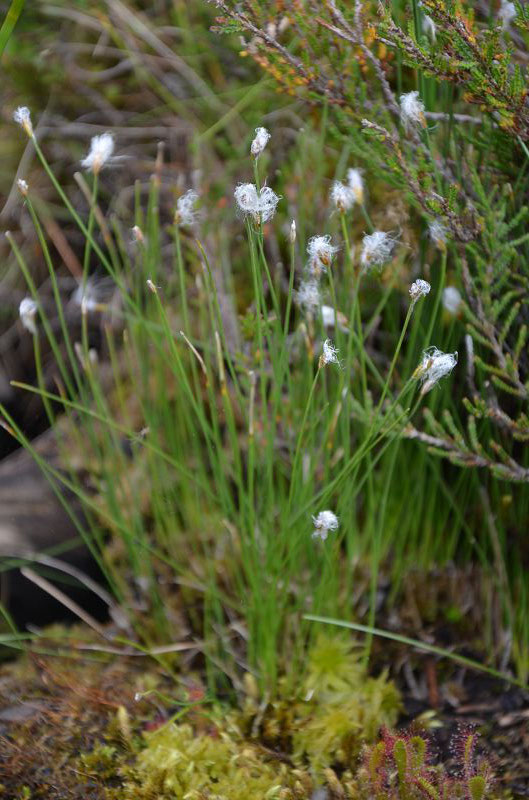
[293,473]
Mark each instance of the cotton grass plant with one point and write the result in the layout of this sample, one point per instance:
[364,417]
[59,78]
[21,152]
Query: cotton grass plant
[239,481]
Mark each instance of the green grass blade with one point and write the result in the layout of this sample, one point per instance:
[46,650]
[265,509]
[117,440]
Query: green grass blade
[427,648]
[9,23]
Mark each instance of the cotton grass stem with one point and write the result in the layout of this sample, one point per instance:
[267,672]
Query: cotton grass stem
[295,463]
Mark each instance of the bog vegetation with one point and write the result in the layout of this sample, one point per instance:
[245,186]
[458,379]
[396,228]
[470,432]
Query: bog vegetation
[313,368]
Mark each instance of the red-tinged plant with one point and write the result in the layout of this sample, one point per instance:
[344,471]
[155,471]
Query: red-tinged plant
[399,767]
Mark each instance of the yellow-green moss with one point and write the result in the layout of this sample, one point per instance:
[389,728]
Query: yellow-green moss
[178,763]
[273,751]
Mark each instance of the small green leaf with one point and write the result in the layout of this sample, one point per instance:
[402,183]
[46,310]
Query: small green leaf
[400,755]
[477,786]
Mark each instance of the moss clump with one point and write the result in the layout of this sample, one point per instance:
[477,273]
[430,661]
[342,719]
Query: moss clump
[346,707]
[218,765]
[101,762]
[338,709]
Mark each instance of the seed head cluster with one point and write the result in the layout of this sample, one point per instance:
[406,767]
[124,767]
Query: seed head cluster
[321,252]
[451,299]
[22,117]
[259,143]
[356,184]
[419,288]
[412,111]
[101,149]
[434,365]
[438,233]
[28,312]
[342,197]
[377,249]
[308,295]
[329,354]
[260,205]
[324,522]
[86,297]
[330,319]
[186,212]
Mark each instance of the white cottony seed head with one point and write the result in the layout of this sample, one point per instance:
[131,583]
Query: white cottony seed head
[86,297]
[506,13]
[259,205]
[451,299]
[324,522]
[101,149]
[321,253]
[23,117]
[292,235]
[438,233]
[308,295]
[328,317]
[356,184]
[268,201]
[186,212]
[428,27]
[28,312]
[419,288]
[412,111]
[23,187]
[247,198]
[434,365]
[377,248]
[138,237]
[329,354]
[259,143]
[342,197]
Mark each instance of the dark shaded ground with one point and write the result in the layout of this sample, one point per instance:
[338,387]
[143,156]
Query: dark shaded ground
[501,715]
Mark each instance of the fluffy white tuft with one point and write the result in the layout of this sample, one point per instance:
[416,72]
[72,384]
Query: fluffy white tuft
[186,212]
[377,248]
[308,295]
[342,196]
[28,312]
[22,116]
[259,143]
[321,253]
[451,299]
[101,149]
[324,522]
[434,365]
[329,354]
[419,288]
[356,184]
[412,111]
[438,233]
[259,205]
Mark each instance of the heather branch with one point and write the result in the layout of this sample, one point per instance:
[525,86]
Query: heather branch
[356,37]
[427,201]
[488,330]
[511,471]
[321,86]
[482,84]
